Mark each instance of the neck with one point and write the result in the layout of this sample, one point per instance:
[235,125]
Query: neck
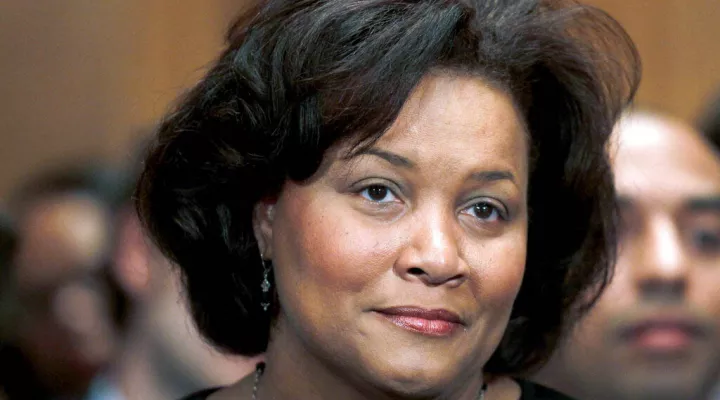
[294,371]
[158,366]
[138,372]
[134,374]
[142,371]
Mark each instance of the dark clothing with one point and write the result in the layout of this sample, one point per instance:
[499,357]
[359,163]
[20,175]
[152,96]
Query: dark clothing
[530,391]
[17,378]
[201,395]
[533,391]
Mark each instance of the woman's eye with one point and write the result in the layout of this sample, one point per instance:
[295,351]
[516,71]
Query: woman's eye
[378,194]
[485,211]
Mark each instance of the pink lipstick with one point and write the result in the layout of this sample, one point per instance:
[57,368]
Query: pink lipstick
[437,322]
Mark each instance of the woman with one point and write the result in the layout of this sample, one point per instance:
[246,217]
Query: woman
[394,199]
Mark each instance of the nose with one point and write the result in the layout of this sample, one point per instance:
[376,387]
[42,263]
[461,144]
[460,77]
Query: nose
[662,270]
[431,253]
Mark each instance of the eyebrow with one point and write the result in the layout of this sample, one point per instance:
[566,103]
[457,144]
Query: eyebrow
[710,203]
[493,176]
[400,161]
[392,158]
[698,204]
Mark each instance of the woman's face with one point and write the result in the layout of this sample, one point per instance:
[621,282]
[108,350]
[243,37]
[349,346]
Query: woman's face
[399,265]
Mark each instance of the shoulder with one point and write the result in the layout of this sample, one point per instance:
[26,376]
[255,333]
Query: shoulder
[533,391]
[201,395]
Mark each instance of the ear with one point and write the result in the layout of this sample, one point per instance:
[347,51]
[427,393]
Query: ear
[131,256]
[263,216]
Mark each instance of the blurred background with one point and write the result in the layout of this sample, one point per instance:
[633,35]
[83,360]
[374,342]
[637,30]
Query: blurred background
[82,82]
[84,78]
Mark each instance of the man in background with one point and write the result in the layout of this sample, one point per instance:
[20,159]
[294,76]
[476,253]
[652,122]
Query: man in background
[63,311]
[709,125]
[162,355]
[655,331]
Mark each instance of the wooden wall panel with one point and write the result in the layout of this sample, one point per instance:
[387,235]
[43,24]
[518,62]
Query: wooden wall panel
[679,42]
[80,79]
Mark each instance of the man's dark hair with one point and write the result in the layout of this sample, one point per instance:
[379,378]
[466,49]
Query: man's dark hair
[299,76]
[97,180]
[709,122]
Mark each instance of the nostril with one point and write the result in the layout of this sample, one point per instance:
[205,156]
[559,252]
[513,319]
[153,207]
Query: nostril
[416,271]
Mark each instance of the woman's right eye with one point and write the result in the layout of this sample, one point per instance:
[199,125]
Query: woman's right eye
[378,194]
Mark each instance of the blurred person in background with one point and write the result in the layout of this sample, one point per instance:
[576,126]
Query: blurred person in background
[162,355]
[654,332]
[709,125]
[66,311]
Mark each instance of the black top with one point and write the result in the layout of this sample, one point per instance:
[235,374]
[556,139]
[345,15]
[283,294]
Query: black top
[529,390]
[18,380]
[533,391]
[201,395]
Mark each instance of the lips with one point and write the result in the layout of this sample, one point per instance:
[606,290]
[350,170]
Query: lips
[663,335]
[429,322]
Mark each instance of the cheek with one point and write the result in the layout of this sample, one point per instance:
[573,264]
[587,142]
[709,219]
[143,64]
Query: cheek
[500,265]
[616,301]
[347,256]
[703,290]
[619,296]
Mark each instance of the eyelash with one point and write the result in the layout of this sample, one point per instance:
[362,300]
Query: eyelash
[498,211]
[367,189]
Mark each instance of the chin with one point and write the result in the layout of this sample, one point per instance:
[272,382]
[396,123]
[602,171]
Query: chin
[414,387]
[422,378]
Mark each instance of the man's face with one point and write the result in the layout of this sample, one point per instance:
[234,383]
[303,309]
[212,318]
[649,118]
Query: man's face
[64,323]
[654,334]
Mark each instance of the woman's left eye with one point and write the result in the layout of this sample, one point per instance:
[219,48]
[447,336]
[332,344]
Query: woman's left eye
[378,194]
[485,211]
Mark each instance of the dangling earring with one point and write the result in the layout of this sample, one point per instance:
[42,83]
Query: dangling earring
[265,285]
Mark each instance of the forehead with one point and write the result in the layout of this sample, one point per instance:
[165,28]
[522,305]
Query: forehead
[61,236]
[459,118]
[662,161]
